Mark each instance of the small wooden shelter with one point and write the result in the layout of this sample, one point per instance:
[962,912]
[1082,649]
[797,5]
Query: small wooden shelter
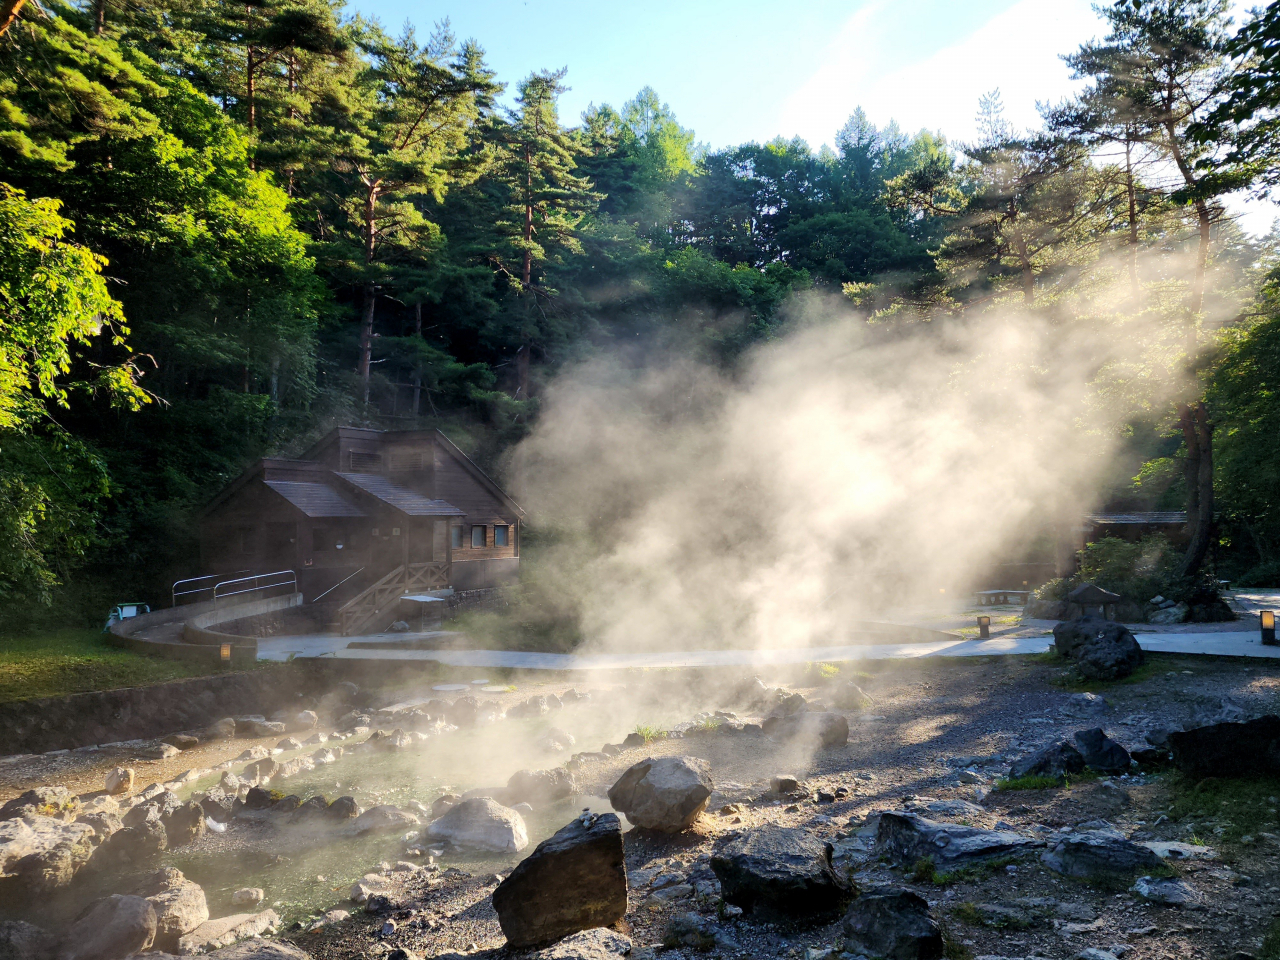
[404,509]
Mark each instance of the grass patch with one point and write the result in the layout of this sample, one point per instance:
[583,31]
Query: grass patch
[1270,949]
[925,871]
[1028,783]
[650,732]
[709,725]
[968,912]
[1240,807]
[79,660]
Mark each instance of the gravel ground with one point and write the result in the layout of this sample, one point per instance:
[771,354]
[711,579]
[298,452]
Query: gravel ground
[926,715]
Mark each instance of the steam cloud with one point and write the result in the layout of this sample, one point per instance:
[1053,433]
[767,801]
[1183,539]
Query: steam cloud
[846,468]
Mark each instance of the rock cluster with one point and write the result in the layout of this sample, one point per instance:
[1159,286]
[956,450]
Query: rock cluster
[666,794]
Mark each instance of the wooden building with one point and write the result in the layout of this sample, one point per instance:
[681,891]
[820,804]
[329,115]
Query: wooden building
[358,507]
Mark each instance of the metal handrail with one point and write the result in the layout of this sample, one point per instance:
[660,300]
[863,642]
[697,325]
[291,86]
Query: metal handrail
[293,580]
[335,586]
[176,593]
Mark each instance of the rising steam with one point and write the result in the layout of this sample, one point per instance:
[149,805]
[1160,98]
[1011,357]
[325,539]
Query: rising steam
[845,468]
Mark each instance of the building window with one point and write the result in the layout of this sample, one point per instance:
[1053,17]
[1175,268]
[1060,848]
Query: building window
[365,462]
[500,535]
[477,536]
[406,462]
[455,537]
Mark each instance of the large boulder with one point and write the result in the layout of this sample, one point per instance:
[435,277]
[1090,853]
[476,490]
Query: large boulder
[1058,760]
[56,802]
[779,873]
[111,928]
[892,922]
[185,824]
[811,729]
[1249,749]
[384,817]
[905,838]
[227,930]
[664,794]
[574,880]
[540,786]
[24,941]
[119,781]
[480,824]
[1102,649]
[1101,753]
[1093,853]
[44,853]
[179,904]
[132,847]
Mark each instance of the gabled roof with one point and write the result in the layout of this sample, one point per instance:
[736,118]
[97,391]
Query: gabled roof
[1157,516]
[401,498]
[451,448]
[315,499]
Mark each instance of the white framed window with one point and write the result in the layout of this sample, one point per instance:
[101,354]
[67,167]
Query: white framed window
[500,535]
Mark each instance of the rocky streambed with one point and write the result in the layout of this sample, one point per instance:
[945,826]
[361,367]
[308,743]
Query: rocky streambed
[817,817]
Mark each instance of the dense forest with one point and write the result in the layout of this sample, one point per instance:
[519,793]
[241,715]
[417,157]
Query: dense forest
[227,227]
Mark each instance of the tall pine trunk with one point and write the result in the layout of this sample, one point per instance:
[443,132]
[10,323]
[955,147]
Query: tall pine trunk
[1132,194]
[370,290]
[1197,470]
[522,355]
[417,370]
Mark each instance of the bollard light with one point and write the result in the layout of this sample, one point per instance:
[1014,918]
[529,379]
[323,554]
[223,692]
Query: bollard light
[226,653]
[1268,618]
[984,628]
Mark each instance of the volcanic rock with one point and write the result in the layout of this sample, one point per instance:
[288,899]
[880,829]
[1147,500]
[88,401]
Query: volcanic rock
[384,817]
[820,729]
[907,837]
[185,824]
[1056,760]
[119,781]
[227,930]
[1087,705]
[24,941]
[1101,753]
[480,824]
[103,824]
[135,846]
[344,808]
[664,794]
[111,928]
[179,904]
[1089,853]
[1102,649]
[247,897]
[463,712]
[540,786]
[223,729]
[598,944]
[58,803]
[254,948]
[218,806]
[289,743]
[183,741]
[574,880]
[302,721]
[441,805]
[1249,749]
[779,873]
[257,799]
[42,852]
[1168,891]
[689,930]
[892,922]
[261,770]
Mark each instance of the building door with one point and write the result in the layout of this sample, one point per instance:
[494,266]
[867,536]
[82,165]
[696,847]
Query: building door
[281,547]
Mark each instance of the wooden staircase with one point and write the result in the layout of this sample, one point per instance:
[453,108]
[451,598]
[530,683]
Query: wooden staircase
[374,608]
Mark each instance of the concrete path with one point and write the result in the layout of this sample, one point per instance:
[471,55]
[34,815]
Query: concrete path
[1235,644]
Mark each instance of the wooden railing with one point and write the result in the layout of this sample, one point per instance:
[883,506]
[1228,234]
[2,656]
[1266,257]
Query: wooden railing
[378,599]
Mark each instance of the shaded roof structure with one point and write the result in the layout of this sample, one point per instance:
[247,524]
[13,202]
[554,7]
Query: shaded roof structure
[1140,517]
[315,499]
[401,498]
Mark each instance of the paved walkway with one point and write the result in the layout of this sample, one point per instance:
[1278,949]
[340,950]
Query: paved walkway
[1235,644]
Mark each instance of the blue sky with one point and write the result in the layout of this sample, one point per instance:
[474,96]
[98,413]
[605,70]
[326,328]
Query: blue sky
[739,70]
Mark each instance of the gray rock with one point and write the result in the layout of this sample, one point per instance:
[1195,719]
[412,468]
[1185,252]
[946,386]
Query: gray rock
[892,922]
[1175,614]
[289,743]
[179,904]
[574,880]
[103,824]
[119,781]
[44,853]
[223,729]
[266,728]
[1090,853]
[689,930]
[24,941]
[908,837]
[254,948]
[227,930]
[666,794]
[344,808]
[132,847]
[819,729]
[1057,760]
[111,928]
[850,696]
[184,825]
[1087,706]
[384,817]
[1102,649]
[261,770]
[480,824]
[776,873]
[57,803]
[540,786]
[1101,753]
[598,944]
[1171,892]
[247,897]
